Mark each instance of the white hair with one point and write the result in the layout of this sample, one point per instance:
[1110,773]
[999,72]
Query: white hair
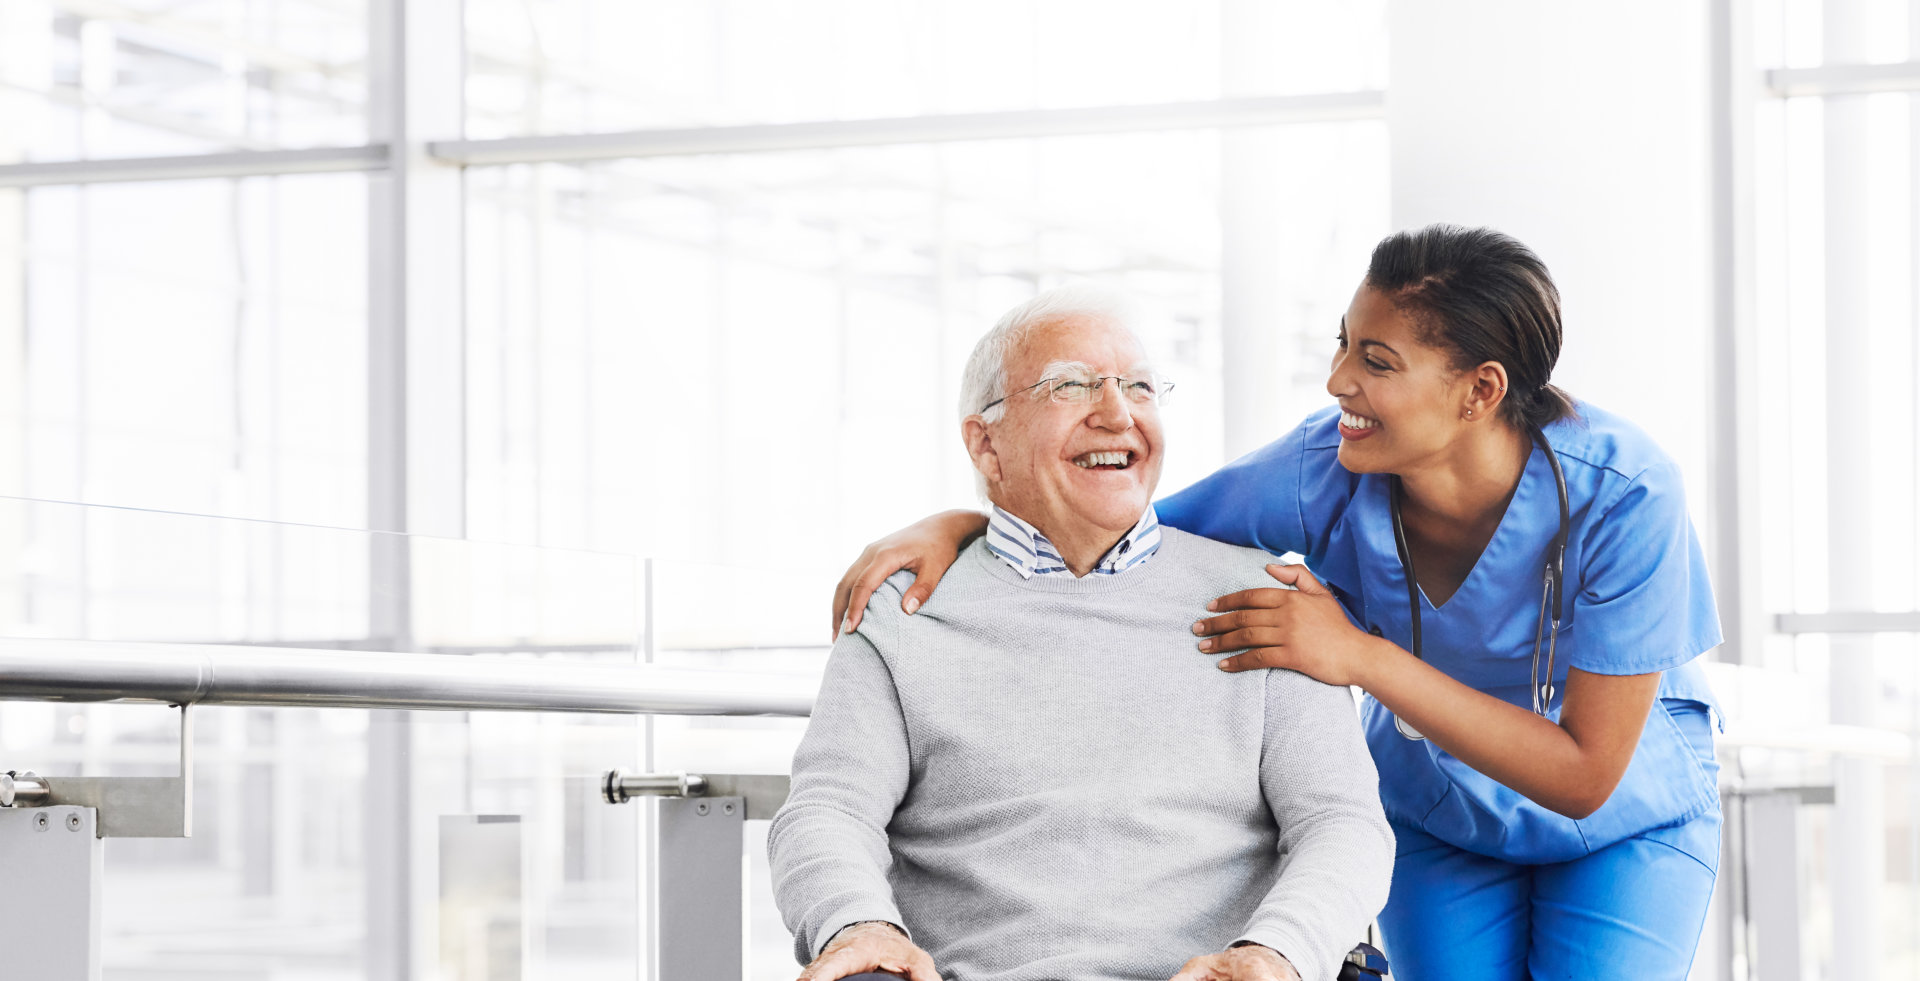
[985,379]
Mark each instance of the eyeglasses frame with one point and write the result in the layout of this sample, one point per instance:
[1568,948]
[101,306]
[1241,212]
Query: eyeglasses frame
[1162,388]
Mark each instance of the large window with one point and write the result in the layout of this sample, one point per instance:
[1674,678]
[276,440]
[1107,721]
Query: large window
[573,66]
[197,346]
[1836,339]
[151,77]
[647,307]
[768,347]
[242,321]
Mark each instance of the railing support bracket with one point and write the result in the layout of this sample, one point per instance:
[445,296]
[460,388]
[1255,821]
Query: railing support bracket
[127,807]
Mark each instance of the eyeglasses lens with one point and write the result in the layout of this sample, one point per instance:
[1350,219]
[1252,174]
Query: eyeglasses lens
[1139,391]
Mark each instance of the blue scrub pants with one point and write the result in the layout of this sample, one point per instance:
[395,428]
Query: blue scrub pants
[1631,910]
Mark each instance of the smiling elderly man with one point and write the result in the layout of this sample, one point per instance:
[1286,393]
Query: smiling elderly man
[1035,778]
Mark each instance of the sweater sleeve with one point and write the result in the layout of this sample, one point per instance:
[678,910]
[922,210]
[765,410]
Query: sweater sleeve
[1337,849]
[828,844]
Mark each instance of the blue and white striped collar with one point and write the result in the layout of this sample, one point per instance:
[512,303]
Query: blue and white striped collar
[1031,554]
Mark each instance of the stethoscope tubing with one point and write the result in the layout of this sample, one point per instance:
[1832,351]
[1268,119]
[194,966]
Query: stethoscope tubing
[1551,595]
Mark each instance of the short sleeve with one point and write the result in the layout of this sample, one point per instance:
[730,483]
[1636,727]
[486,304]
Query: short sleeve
[1643,602]
[1282,497]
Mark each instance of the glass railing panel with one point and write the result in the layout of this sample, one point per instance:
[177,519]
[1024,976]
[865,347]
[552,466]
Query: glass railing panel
[99,573]
[1789,763]
[576,906]
[759,621]
[339,843]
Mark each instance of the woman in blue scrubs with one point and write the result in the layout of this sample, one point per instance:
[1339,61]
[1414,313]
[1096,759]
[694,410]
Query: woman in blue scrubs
[1565,829]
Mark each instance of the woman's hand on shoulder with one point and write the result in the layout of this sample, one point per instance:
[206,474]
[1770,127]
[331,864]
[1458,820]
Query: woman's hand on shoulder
[927,548]
[1303,628]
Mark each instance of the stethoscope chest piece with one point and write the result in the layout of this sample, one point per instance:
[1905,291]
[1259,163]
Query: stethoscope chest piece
[1406,730]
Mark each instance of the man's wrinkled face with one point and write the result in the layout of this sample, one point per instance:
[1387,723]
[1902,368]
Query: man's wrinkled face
[1074,468]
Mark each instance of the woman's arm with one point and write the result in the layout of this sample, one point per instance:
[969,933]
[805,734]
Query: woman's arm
[926,548]
[1570,767]
[1258,500]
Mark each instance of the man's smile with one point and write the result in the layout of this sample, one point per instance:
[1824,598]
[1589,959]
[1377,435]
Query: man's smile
[1104,460]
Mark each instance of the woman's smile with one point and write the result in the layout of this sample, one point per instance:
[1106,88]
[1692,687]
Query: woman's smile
[1354,426]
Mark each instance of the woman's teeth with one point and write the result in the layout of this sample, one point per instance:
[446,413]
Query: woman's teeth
[1352,421]
[1112,459]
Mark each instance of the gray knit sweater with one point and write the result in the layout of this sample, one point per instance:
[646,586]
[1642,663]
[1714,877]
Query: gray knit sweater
[1044,780]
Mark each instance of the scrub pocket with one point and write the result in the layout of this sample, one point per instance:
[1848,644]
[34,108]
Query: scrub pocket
[1670,781]
[1673,778]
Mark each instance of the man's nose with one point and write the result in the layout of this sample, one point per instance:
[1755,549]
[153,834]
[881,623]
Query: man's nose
[1112,410]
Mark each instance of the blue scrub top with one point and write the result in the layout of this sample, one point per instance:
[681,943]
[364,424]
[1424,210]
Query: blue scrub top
[1637,600]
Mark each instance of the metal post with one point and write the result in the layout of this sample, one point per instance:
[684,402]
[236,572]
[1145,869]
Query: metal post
[1771,835]
[1254,348]
[696,930]
[693,898]
[416,409]
[1857,855]
[1733,439]
[50,907]
[25,46]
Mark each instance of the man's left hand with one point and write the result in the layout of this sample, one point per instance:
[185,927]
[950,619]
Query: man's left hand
[1249,963]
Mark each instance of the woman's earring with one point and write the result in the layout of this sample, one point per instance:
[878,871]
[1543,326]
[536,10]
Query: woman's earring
[1469,413]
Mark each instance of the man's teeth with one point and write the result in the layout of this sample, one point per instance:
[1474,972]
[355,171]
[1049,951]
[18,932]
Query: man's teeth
[1114,459]
[1352,421]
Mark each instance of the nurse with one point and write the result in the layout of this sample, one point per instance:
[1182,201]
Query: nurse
[1545,750]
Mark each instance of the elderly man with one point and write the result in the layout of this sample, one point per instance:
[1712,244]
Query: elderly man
[1035,778]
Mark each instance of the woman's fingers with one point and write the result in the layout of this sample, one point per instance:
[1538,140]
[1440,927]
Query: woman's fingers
[926,576]
[1225,622]
[884,564]
[1253,660]
[1297,576]
[1259,616]
[1259,647]
[843,590]
[1245,599]
[1245,639]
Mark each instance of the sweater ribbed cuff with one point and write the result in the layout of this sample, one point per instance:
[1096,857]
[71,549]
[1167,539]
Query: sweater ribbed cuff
[850,916]
[1290,947]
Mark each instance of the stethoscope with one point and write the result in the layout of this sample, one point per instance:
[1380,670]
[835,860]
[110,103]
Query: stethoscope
[1549,594]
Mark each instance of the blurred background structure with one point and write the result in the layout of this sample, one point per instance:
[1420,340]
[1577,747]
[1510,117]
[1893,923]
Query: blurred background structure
[304,303]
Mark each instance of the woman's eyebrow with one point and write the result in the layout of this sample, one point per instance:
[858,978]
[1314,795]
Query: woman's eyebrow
[1364,344]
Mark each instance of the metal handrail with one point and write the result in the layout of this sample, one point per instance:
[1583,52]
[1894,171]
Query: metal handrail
[178,674]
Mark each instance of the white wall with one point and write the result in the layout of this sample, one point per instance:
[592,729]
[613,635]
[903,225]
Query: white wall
[1582,131]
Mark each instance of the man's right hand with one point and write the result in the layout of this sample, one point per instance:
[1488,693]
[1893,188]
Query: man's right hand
[926,548]
[872,946]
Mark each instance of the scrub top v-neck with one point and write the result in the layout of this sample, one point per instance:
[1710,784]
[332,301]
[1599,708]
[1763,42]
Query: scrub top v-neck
[1638,601]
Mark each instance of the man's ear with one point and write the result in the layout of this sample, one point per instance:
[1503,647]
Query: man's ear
[973,430]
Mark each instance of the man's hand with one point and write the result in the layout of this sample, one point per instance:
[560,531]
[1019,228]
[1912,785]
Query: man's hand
[865,947]
[1249,963]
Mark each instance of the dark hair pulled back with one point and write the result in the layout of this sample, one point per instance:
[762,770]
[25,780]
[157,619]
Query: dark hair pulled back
[1483,296]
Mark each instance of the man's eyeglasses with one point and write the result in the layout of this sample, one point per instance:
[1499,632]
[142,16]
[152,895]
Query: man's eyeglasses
[1083,389]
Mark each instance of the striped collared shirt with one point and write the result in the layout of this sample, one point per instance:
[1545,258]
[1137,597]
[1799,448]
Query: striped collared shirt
[1031,554]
